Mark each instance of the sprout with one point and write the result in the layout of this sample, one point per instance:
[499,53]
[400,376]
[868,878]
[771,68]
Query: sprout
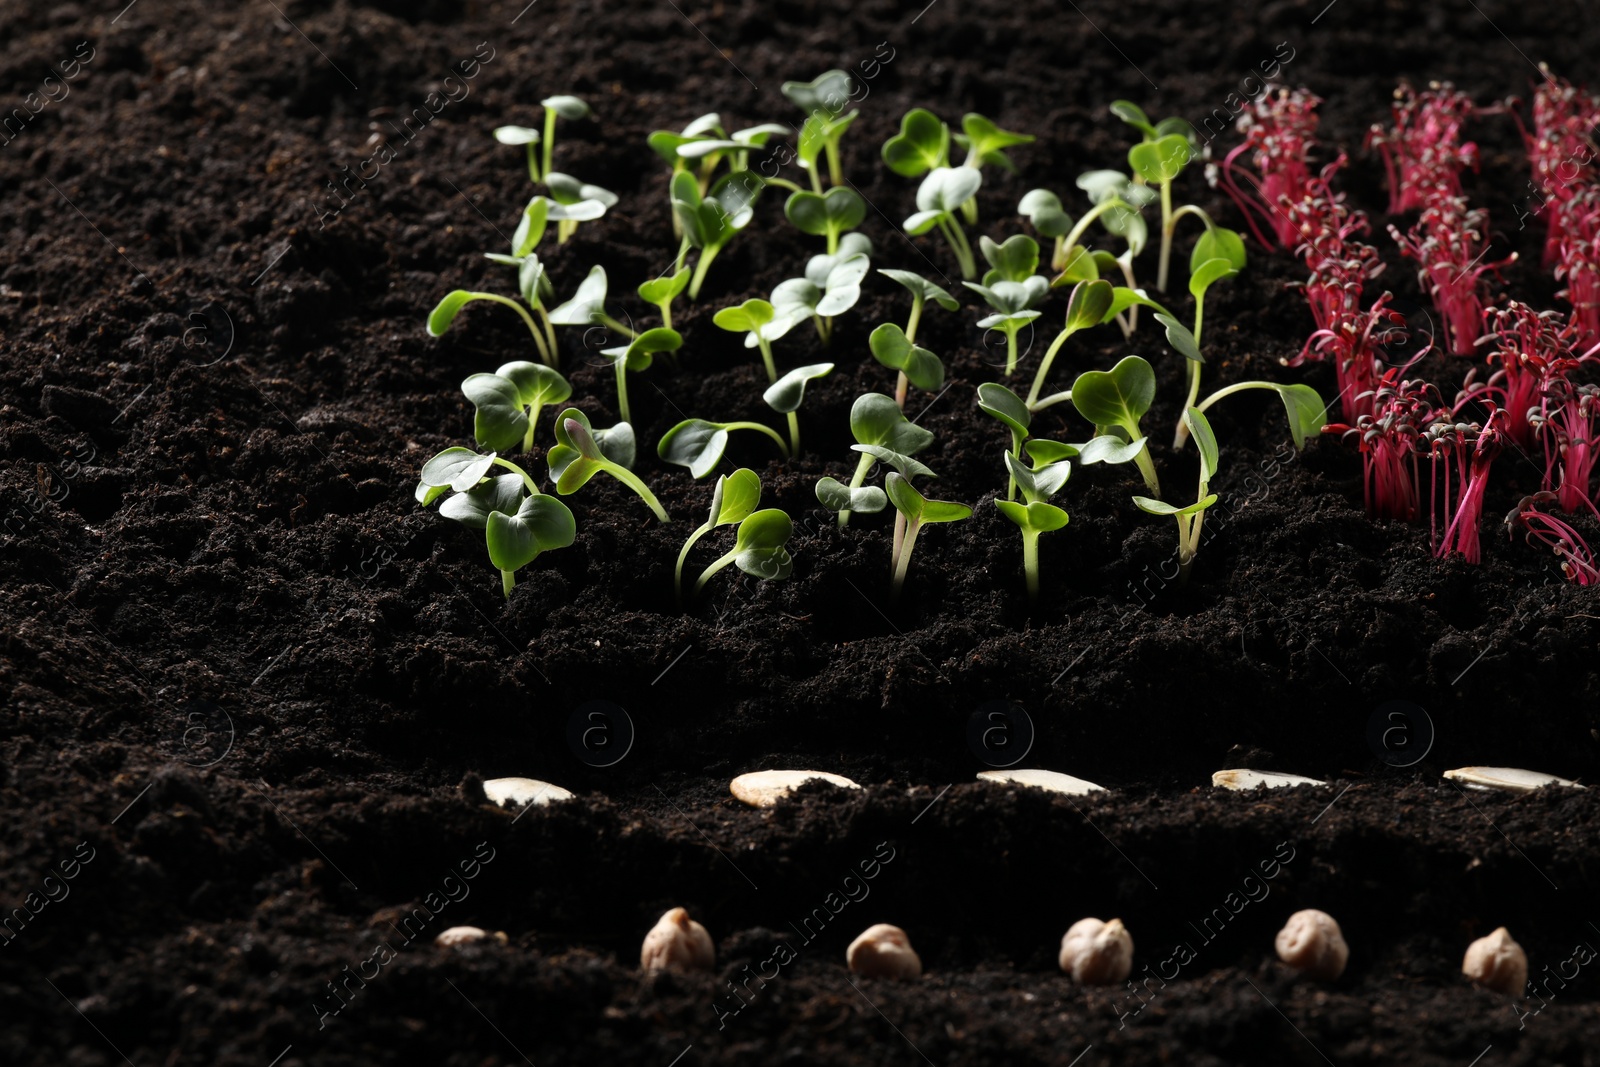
[531,280]
[637,355]
[1116,400]
[1192,517]
[823,99]
[732,501]
[588,305]
[897,349]
[759,322]
[663,290]
[942,192]
[1036,515]
[758,548]
[917,510]
[522,135]
[789,392]
[567,107]
[508,403]
[1006,406]
[826,215]
[1097,953]
[710,221]
[584,452]
[831,286]
[1089,305]
[518,521]
[703,140]
[1312,943]
[923,144]
[698,443]
[579,202]
[1013,303]
[875,422]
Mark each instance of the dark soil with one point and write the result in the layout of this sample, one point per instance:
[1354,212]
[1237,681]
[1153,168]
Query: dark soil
[257,688]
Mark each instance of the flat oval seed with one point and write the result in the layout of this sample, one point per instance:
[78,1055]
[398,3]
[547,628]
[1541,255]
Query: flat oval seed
[1097,953]
[1311,942]
[677,943]
[1054,781]
[523,791]
[1509,779]
[763,789]
[466,935]
[883,951]
[1496,962]
[1243,780]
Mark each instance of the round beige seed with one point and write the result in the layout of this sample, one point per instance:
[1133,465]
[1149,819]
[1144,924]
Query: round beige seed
[1496,962]
[763,789]
[1311,943]
[677,943]
[1097,953]
[466,935]
[883,951]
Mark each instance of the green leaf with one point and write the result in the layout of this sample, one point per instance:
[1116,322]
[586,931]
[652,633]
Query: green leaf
[917,508]
[789,392]
[587,304]
[1037,516]
[737,496]
[473,508]
[921,367]
[1044,452]
[1014,261]
[535,382]
[1038,483]
[1010,298]
[616,444]
[921,145]
[1003,404]
[837,210]
[1179,337]
[1134,116]
[1088,305]
[1204,440]
[530,273]
[901,462]
[875,419]
[639,353]
[500,421]
[459,468]
[1160,160]
[1080,267]
[516,135]
[920,286]
[530,227]
[768,529]
[1182,127]
[696,444]
[568,107]
[987,142]
[829,92]
[426,494]
[661,290]
[945,189]
[1043,209]
[819,131]
[1110,449]
[1218,243]
[1157,507]
[836,496]
[1209,272]
[750,315]
[1305,410]
[440,318]
[565,189]
[540,524]
[1118,397]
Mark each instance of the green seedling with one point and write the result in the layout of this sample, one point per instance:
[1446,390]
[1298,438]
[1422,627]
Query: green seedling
[917,510]
[583,452]
[637,355]
[508,403]
[823,99]
[1190,518]
[1004,405]
[732,501]
[939,196]
[704,142]
[1157,160]
[518,521]
[1035,515]
[531,280]
[787,394]
[588,306]
[709,222]
[525,136]
[923,144]
[876,423]
[1014,307]
[663,291]
[830,215]
[579,202]
[1089,305]
[1115,400]
[831,286]
[567,107]
[897,349]
[761,325]
[698,443]
[759,548]
[1072,261]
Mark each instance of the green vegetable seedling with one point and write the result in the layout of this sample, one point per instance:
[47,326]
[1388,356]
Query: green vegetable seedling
[531,281]
[704,142]
[759,548]
[578,202]
[1088,306]
[637,355]
[823,99]
[583,452]
[1006,407]
[1011,288]
[1116,400]
[830,215]
[698,443]
[734,500]
[588,306]
[508,403]
[923,143]
[567,107]
[709,222]
[939,196]
[1190,518]
[897,349]
[787,394]
[518,521]
[663,291]
[831,286]
[917,510]
[1035,515]
[876,423]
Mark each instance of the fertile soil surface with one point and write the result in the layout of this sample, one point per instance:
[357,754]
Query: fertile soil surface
[251,689]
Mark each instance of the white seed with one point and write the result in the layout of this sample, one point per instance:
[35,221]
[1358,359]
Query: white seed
[883,951]
[763,789]
[1054,781]
[1097,953]
[1310,942]
[1496,962]
[1243,780]
[523,791]
[1510,779]
[466,935]
[677,943]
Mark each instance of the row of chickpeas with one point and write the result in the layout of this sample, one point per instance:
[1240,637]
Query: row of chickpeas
[1093,952]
